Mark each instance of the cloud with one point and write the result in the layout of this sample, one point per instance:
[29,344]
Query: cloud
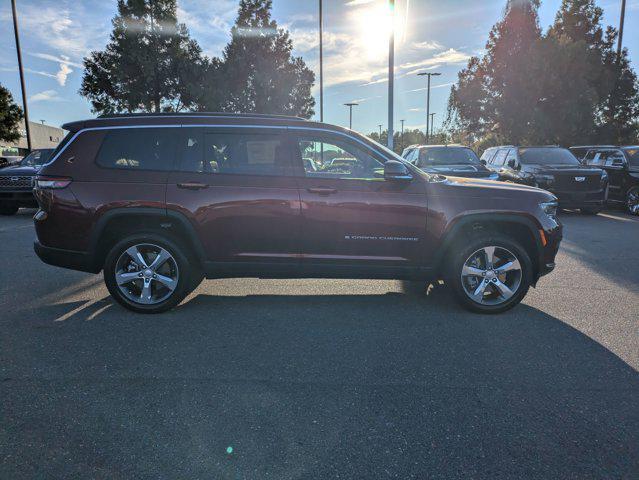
[448,57]
[46,96]
[63,73]
[428,45]
[61,59]
[441,85]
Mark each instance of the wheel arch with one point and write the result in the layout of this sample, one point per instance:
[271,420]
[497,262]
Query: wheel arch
[117,222]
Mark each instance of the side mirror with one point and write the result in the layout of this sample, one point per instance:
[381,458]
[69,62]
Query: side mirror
[394,170]
[482,161]
[511,163]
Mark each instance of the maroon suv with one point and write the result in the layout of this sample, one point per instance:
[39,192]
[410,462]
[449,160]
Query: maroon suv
[161,201]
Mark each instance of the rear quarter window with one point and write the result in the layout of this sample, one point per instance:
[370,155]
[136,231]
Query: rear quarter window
[138,149]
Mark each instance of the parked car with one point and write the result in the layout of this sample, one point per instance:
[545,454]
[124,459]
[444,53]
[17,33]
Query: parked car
[160,201]
[554,169]
[8,160]
[580,151]
[622,166]
[17,181]
[454,160]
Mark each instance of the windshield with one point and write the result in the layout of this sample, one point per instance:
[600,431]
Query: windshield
[447,156]
[547,156]
[633,156]
[36,158]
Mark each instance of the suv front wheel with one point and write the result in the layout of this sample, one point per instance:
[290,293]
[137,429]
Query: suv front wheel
[490,274]
[149,273]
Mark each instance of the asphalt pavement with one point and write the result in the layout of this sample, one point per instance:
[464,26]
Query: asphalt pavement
[315,379]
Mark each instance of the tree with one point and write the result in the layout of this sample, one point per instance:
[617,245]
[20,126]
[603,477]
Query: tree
[257,72]
[149,65]
[495,93]
[10,116]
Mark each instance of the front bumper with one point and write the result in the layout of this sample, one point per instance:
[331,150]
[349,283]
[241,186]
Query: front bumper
[581,199]
[19,197]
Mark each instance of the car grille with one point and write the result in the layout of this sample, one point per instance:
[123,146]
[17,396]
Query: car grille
[9,181]
[567,183]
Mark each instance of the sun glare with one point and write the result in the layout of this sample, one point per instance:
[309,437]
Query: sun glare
[374,21]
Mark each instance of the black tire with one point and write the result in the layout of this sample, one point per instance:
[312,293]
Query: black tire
[632,207]
[462,252]
[7,209]
[590,211]
[188,278]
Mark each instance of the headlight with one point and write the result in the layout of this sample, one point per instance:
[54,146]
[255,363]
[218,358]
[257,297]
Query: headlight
[544,180]
[550,208]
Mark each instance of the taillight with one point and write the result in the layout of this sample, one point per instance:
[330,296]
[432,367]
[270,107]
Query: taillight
[52,183]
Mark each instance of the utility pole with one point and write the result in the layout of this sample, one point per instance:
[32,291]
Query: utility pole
[621,22]
[428,74]
[350,106]
[380,133]
[21,70]
[432,121]
[391,73]
[401,138]
[321,63]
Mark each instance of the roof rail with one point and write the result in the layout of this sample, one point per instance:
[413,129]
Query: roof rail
[201,114]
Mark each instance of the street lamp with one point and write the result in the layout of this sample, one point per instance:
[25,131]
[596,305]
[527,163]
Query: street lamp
[380,132]
[350,106]
[428,74]
[391,73]
[321,64]
[21,70]
[432,121]
[621,22]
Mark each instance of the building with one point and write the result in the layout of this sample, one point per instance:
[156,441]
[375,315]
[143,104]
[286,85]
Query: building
[42,136]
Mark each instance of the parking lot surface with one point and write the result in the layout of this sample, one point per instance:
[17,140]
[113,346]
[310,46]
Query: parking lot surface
[257,379]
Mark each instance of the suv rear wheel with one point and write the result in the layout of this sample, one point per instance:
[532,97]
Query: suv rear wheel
[149,273]
[490,274]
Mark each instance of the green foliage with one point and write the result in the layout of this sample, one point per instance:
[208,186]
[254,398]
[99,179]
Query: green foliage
[257,72]
[10,116]
[564,87]
[150,63]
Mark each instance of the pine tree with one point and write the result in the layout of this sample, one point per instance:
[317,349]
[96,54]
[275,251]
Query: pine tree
[10,116]
[150,63]
[257,72]
[496,93]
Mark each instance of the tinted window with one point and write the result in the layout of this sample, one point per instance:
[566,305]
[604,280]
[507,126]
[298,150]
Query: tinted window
[488,155]
[500,157]
[138,149]
[447,156]
[511,156]
[547,156]
[234,153]
[606,158]
[338,159]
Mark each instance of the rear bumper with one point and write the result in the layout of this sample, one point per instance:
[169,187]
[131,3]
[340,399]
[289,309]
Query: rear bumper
[71,259]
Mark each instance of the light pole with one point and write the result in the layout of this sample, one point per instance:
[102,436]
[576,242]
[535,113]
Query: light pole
[428,74]
[401,138]
[391,73]
[321,64]
[621,22]
[380,133]
[20,69]
[432,121]
[350,106]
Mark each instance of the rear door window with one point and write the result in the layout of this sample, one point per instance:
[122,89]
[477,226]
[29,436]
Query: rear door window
[218,152]
[500,157]
[138,149]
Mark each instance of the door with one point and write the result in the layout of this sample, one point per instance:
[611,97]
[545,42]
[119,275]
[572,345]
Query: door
[351,215]
[237,188]
[615,164]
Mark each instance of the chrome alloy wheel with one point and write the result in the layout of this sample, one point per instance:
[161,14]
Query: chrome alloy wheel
[491,275]
[146,274]
[632,201]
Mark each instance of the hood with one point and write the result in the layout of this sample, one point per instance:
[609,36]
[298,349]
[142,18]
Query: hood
[558,169]
[18,171]
[476,187]
[458,169]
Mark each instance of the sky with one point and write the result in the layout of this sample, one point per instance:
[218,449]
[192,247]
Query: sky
[431,35]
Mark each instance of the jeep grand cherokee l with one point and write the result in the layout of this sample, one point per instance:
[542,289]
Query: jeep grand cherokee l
[157,202]
[554,169]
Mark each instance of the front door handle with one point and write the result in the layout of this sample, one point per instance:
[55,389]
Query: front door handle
[324,191]
[192,185]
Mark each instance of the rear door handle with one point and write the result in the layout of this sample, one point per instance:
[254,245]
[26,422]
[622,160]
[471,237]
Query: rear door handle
[192,185]
[322,190]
